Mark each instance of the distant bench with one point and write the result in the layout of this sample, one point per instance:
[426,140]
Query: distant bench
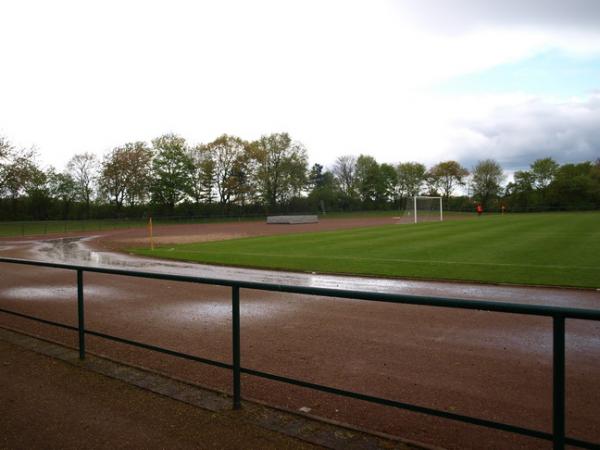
[292,219]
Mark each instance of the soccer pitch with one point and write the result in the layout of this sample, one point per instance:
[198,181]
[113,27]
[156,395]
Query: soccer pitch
[559,249]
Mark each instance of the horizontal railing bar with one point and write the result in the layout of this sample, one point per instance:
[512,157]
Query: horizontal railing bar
[514,308]
[39,319]
[155,348]
[581,444]
[124,340]
[401,405]
[482,305]
[319,387]
[418,409]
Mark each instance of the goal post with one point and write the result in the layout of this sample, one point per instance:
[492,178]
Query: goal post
[427,209]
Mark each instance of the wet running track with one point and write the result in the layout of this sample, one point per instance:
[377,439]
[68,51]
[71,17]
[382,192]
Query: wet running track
[489,365]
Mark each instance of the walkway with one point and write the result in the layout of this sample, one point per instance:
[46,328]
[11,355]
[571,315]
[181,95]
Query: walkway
[50,400]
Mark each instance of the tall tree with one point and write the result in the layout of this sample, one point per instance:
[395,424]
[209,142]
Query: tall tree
[411,178]
[126,173]
[38,194]
[523,183]
[576,186]
[62,188]
[171,167]
[543,171]
[520,191]
[245,179]
[227,153]
[18,172]
[20,176]
[323,187]
[387,183]
[367,178]
[344,171]
[4,148]
[487,179]
[315,176]
[447,176]
[202,174]
[83,167]
[281,166]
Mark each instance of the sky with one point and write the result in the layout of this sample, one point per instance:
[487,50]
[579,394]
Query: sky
[405,80]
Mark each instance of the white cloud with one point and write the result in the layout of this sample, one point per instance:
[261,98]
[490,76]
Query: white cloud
[456,16]
[517,134]
[343,77]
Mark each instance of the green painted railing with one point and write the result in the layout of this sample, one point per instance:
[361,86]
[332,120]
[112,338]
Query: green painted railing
[558,315]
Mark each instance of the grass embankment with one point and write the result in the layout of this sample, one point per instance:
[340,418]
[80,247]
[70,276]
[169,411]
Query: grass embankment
[8,229]
[43,227]
[560,249]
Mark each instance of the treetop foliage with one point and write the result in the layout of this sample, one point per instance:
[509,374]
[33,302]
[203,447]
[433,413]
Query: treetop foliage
[271,173]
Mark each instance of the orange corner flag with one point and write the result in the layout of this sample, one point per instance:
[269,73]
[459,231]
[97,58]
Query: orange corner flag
[150,234]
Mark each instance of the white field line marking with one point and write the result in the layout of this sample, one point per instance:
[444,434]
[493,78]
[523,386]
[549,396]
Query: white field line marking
[419,261]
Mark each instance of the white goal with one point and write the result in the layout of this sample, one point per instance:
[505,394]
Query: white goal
[427,209]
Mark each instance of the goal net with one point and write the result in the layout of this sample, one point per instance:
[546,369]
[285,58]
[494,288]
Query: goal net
[425,209]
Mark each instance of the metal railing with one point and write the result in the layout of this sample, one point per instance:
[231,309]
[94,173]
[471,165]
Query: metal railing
[558,315]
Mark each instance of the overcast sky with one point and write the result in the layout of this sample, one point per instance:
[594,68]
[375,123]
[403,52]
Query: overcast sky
[412,80]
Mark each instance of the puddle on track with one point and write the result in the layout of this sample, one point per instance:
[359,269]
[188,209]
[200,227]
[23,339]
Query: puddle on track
[77,251]
[66,292]
[221,310]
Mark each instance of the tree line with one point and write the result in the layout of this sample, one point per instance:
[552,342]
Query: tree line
[232,176]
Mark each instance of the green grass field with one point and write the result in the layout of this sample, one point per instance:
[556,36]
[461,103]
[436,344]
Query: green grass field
[560,249]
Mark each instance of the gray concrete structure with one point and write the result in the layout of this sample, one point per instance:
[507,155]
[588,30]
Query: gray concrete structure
[293,219]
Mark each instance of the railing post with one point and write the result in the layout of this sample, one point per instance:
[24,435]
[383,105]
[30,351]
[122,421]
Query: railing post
[235,303]
[558,383]
[80,315]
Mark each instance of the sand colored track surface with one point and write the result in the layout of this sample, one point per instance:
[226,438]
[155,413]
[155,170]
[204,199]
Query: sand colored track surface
[489,365]
[181,234]
[50,404]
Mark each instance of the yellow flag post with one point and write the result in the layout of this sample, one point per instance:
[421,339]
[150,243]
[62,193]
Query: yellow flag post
[150,234]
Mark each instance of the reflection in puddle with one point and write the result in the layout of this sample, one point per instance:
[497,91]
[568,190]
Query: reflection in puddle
[215,310]
[74,250]
[65,292]
[77,251]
